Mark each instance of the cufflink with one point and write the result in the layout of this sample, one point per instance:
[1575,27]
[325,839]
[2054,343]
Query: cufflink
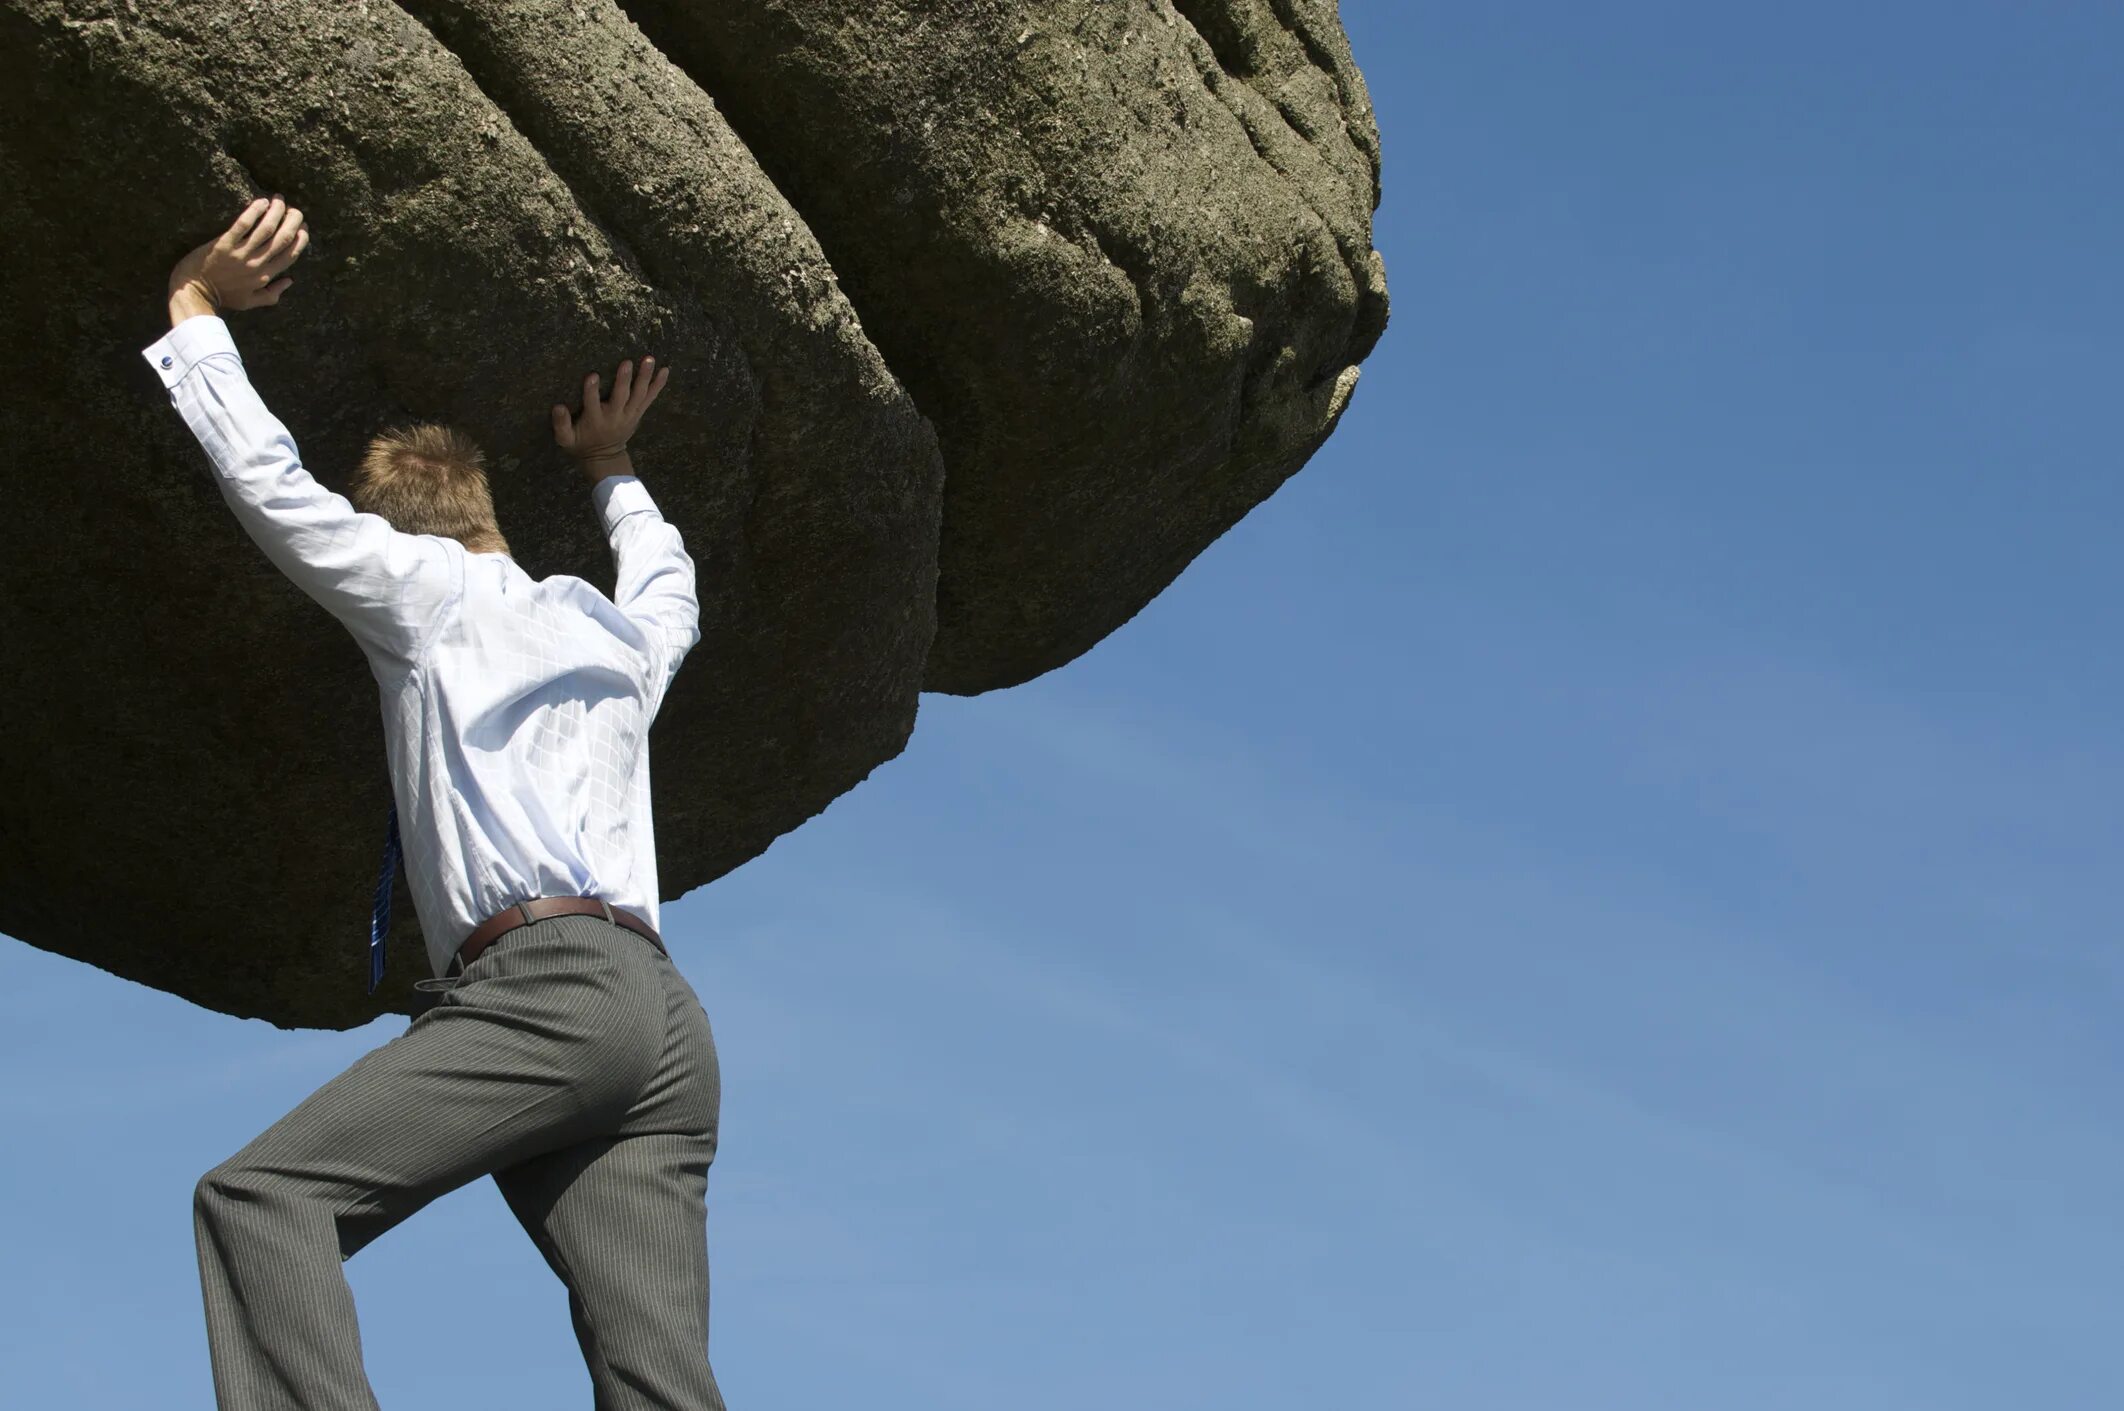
[167,360]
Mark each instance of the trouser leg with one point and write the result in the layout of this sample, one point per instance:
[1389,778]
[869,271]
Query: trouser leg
[622,1219]
[548,1040]
[264,1352]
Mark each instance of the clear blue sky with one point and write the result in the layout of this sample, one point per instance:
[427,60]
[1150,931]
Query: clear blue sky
[1601,894]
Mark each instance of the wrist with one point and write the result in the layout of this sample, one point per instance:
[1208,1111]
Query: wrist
[190,299]
[605,465]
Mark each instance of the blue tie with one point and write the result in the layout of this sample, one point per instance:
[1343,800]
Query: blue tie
[380,917]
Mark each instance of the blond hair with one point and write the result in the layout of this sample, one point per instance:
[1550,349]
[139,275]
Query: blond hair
[429,479]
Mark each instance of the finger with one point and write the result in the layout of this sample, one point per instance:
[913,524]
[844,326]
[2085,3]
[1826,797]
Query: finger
[654,385]
[257,230]
[590,398]
[563,427]
[281,251]
[263,232]
[247,221]
[623,384]
[278,288]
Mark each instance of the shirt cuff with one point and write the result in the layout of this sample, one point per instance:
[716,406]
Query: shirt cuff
[200,336]
[617,496]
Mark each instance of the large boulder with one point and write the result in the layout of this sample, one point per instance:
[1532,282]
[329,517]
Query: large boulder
[1120,252]
[983,319]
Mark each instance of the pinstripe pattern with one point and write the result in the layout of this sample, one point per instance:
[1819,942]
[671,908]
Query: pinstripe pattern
[574,1063]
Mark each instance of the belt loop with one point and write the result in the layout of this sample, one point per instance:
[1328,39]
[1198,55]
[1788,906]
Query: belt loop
[608,911]
[524,909]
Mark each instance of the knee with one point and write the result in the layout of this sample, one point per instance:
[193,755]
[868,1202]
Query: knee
[241,1207]
[212,1194]
[223,1191]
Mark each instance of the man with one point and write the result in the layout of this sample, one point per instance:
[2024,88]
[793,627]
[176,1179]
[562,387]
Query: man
[566,1055]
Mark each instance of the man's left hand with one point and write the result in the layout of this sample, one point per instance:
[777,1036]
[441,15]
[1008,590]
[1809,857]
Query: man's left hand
[237,268]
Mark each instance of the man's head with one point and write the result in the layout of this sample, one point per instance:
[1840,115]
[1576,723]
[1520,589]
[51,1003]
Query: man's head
[428,479]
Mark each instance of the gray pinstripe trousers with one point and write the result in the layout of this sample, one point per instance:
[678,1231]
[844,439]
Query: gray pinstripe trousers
[573,1063]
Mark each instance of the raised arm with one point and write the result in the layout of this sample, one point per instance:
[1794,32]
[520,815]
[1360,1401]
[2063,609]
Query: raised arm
[654,586]
[388,588]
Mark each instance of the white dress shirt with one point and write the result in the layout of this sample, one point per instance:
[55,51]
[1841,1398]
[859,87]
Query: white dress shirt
[516,712]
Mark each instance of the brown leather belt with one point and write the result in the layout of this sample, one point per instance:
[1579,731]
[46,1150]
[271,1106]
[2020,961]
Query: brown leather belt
[526,912]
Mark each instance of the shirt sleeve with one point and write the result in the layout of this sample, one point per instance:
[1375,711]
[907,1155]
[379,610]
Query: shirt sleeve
[390,589]
[654,585]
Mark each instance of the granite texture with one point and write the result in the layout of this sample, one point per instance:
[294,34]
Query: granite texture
[983,318]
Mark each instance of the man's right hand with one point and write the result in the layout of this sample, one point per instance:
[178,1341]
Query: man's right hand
[596,437]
